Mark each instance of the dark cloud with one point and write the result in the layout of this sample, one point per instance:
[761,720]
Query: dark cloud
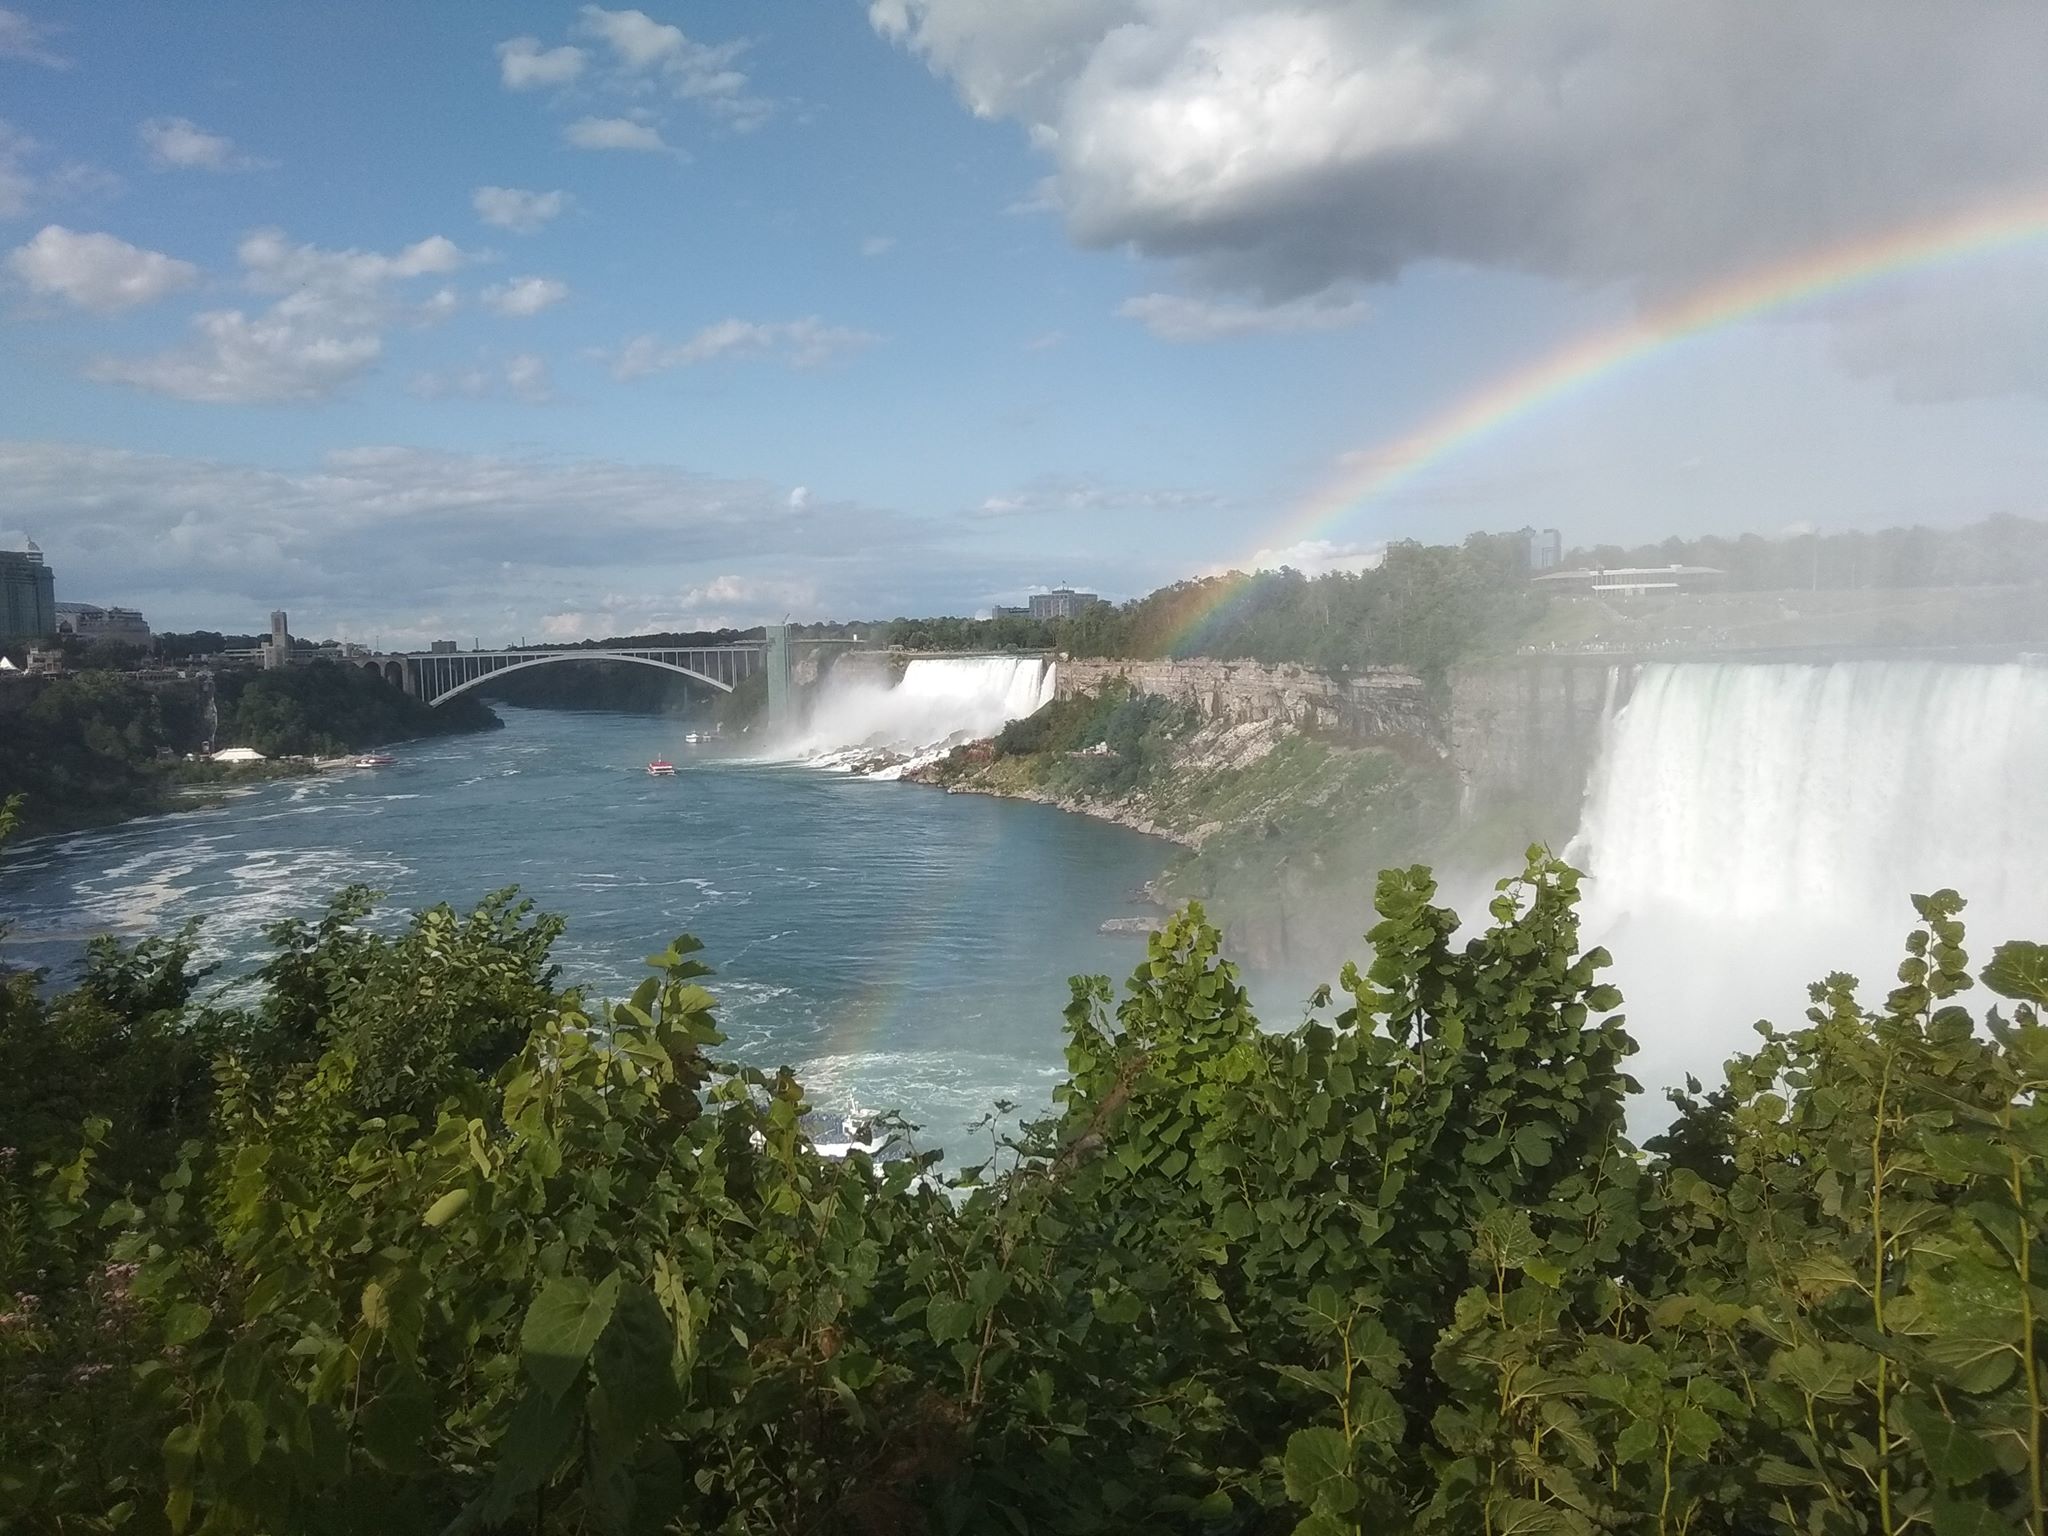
[1283,149]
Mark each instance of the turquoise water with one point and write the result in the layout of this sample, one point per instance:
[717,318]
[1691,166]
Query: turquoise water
[902,947]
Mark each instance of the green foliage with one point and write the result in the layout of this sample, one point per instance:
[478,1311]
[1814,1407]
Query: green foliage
[443,1248]
[1424,606]
[87,746]
[1999,550]
[328,707]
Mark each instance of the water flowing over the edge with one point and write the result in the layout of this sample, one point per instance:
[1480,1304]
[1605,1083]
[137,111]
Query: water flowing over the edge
[1751,827]
[933,707]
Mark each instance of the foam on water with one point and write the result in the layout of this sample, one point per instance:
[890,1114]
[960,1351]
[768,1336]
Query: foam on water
[1750,828]
[933,707]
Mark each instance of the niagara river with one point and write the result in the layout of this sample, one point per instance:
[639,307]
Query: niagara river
[902,948]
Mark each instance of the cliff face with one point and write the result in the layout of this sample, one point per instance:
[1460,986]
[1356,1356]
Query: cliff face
[1524,735]
[1375,701]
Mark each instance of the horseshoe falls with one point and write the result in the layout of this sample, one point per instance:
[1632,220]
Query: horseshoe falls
[935,705]
[1749,827]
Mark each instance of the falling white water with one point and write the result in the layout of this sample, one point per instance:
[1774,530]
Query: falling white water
[1750,828]
[933,707]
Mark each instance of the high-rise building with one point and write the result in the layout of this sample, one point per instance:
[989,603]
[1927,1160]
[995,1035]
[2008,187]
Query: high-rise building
[279,652]
[28,595]
[1545,549]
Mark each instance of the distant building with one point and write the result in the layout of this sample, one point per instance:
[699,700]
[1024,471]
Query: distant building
[1632,580]
[279,652]
[89,621]
[28,595]
[444,647]
[1059,603]
[1545,548]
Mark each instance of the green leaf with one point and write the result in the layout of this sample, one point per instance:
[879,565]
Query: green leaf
[1317,1469]
[1532,1145]
[2019,970]
[1375,1416]
[533,1443]
[562,1326]
[185,1321]
[948,1318]
[635,1362]
[1954,1455]
[1966,1517]
[447,1208]
[397,1427]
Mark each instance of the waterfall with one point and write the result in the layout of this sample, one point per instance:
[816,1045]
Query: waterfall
[1750,828]
[933,707]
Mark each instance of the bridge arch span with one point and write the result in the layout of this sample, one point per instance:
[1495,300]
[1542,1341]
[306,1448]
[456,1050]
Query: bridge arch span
[551,660]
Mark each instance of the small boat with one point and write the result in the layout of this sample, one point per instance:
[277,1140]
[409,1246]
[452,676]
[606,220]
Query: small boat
[662,768]
[375,760]
[693,738]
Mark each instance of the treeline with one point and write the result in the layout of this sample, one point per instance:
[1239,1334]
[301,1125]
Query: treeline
[327,708]
[600,685]
[1999,551]
[1425,606]
[92,746]
[416,1240]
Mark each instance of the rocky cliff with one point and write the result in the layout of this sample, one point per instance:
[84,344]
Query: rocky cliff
[1369,702]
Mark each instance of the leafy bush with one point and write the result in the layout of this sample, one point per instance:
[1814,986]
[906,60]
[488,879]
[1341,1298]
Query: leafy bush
[1393,1270]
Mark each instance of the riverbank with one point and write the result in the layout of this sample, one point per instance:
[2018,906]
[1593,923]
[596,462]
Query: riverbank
[1282,830]
[93,748]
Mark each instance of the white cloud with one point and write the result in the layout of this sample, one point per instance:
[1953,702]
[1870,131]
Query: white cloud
[322,331]
[1046,342]
[639,41]
[520,211]
[1069,493]
[701,73]
[483,538]
[878,245]
[235,359]
[615,133]
[179,144]
[521,296]
[23,38]
[523,377]
[1285,147]
[800,497]
[805,343]
[340,286]
[98,271]
[1177,317]
[27,178]
[650,65]
[523,64]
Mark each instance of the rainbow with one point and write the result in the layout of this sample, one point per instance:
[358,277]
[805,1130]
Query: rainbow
[1589,360]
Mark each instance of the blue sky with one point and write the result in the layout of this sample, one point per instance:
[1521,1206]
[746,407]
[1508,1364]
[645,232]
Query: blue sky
[531,319]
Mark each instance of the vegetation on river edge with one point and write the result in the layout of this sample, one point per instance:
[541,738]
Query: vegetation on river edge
[417,1240]
[97,746]
[1286,828]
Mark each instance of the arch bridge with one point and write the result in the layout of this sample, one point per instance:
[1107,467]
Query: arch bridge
[434,677]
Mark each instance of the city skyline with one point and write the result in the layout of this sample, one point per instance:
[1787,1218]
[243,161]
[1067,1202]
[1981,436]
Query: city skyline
[555,321]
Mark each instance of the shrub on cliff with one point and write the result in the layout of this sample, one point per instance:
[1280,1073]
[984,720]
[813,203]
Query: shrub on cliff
[1396,1269]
